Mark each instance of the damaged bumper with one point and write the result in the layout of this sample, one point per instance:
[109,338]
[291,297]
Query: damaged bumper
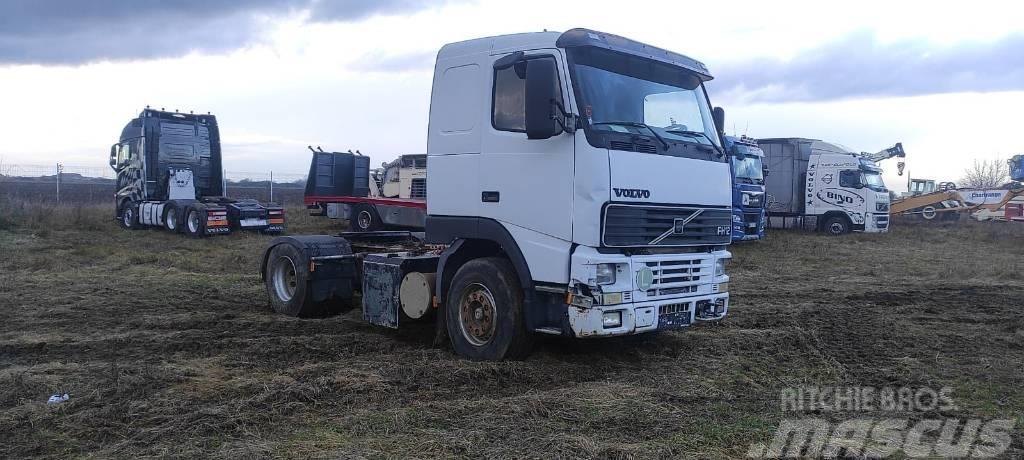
[637,318]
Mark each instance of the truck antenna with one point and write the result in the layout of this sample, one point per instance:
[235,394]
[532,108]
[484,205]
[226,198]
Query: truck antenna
[310,147]
[320,149]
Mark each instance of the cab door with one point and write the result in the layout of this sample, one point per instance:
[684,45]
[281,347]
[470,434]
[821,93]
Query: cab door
[527,185]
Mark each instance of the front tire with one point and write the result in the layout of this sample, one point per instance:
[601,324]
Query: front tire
[484,312]
[129,216]
[836,226]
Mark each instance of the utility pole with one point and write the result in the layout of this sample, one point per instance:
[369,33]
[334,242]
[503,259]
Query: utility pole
[271,186]
[60,171]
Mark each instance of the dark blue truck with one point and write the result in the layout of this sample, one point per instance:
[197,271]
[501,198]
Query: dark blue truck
[748,197]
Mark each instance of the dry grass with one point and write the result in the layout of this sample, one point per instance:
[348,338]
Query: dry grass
[168,349]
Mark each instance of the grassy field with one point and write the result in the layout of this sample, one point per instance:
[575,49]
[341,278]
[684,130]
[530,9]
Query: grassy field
[168,348]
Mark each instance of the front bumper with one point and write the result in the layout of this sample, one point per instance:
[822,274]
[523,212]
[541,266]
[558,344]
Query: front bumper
[637,318]
[649,292]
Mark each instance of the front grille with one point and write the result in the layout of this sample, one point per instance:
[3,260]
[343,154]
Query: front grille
[668,309]
[674,277]
[632,147]
[418,188]
[752,218]
[637,225]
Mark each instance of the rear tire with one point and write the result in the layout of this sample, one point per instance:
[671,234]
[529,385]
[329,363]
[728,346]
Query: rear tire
[835,226]
[171,218]
[484,312]
[365,218]
[287,282]
[195,223]
[129,216]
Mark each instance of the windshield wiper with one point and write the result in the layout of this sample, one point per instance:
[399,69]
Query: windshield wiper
[636,124]
[694,134]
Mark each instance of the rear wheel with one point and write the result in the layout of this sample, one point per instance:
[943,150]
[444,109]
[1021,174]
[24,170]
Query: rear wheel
[171,218]
[485,312]
[129,215]
[836,226]
[287,283]
[365,218]
[195,223]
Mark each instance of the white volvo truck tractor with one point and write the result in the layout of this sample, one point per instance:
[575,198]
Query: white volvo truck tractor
[578,187]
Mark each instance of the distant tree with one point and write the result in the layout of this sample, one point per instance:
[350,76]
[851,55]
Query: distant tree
[986,174]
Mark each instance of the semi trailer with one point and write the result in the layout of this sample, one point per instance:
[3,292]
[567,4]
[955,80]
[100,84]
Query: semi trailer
[578,187]
[341,185]
[748,173]
[169,175]
[825,186]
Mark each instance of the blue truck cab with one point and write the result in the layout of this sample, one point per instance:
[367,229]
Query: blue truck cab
[748,196]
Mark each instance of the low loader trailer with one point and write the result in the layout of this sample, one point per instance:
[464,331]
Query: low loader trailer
[579,187]
[169,175]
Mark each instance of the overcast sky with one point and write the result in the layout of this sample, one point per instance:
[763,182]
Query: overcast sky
[947,81]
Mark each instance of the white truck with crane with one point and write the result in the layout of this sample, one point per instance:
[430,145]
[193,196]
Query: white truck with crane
[826,186]
[577,187]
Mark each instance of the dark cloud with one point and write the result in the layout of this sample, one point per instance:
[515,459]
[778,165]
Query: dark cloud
[80,31]
[858,66]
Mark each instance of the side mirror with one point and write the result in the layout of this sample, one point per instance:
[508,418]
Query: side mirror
[718,114]
[541,84]
[765,171]
[113,156]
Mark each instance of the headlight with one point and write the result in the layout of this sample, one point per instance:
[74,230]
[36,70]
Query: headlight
[612,319]
[720,266]
[605,274]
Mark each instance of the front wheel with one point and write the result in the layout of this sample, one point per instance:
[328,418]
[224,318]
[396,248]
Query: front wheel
[129,216]
[484,312]
[836,226]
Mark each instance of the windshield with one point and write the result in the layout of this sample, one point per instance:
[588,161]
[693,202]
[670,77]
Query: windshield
[748,168]
[620,93]
[873,181]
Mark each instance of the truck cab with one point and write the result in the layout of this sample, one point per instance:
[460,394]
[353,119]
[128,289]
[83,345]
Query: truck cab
[170,175]
[840,183]
[748,197]
[578,186]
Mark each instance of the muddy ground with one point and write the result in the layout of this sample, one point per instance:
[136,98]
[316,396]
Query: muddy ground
[167,348]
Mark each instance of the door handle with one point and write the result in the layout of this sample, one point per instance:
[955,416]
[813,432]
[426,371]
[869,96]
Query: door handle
[490,196]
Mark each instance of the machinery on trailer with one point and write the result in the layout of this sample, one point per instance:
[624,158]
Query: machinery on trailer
[826,186]
[951,203]
[169,175]
[748,173]
[551,210]
[340,185]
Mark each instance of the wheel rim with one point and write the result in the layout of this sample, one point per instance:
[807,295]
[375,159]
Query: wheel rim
[171,221]
[127,216]
[928,213]
[477,314]
[284,279]
[193,222]
[836,228]
[364,219]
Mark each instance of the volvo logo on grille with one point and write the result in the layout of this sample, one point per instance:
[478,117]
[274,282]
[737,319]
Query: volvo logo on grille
[678,226]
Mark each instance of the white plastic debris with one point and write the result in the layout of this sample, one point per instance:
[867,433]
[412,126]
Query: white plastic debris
[58,398]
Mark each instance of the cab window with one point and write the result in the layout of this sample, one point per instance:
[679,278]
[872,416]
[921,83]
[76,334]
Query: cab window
[849,178]
[508,105]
